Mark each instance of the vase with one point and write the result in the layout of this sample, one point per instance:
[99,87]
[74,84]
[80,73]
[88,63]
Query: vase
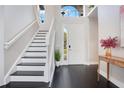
[108,53]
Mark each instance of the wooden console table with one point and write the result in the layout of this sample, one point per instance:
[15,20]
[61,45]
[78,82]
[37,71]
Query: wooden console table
[112,60]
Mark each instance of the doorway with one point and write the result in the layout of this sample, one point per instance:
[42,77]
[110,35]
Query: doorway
[77,48]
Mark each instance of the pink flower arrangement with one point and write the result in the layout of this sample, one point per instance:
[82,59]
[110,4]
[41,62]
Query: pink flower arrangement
[109,42]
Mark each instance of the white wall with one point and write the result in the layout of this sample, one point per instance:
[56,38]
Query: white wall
[16,19]
[109,25]
[1,45]
[93,40]
[81,25]
[92,51]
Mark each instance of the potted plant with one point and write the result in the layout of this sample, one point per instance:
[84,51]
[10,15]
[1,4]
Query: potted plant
[107,44]
[57,57]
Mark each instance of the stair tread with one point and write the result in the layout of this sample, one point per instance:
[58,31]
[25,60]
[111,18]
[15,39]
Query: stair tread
[18,84]
[40,35]
[37,46]
[31,64]
[35,51]
[34,57]
[37,42]
[28,73]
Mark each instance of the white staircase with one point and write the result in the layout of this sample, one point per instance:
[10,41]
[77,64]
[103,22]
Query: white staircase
[33,66]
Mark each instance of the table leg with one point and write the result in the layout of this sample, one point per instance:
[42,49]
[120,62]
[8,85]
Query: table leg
[107,71]
[98,71]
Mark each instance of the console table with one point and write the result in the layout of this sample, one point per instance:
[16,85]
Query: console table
[112,60]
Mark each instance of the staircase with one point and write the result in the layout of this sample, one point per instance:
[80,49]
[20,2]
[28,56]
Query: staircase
[33,65]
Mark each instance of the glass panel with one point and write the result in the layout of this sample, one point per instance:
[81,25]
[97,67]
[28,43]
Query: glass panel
[65,43]
[72,10]
[42,13]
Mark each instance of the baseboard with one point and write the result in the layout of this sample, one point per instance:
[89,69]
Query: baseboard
[13,67]
[93,63]
[113,80]
[84,63]
[62,63]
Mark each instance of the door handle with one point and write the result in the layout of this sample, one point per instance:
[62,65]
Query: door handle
[69,46]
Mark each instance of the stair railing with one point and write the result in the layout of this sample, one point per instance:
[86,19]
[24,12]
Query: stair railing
[51,45]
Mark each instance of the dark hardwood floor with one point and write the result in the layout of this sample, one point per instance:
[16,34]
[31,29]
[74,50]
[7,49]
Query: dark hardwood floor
[79,77]
[69,77]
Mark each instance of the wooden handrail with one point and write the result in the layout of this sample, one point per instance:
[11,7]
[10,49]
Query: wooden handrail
[13,40]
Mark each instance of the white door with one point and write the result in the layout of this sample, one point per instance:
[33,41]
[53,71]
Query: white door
[78,44]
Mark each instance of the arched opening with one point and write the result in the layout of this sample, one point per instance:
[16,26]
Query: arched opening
[72,10]
[42,13]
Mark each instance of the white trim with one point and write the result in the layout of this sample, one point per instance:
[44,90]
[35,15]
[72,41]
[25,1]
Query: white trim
[93,63]
[51,60]
[51,43]
[52,76]
[63,63]
[112,79]
[12,41]
[84,63]
[84,10]
[28,78]
[13,67]
[50,30]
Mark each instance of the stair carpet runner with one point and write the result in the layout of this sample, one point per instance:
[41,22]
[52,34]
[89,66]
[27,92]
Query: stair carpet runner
[33,62]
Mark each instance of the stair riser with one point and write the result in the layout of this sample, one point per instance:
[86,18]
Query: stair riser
[28,60]
[41,33]
[39,40]
[30,68]
[35,54]
[37,49]
[28,78]
[40,37]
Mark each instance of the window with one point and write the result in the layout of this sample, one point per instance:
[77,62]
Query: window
[65,43]
[42,13]
[72,10]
